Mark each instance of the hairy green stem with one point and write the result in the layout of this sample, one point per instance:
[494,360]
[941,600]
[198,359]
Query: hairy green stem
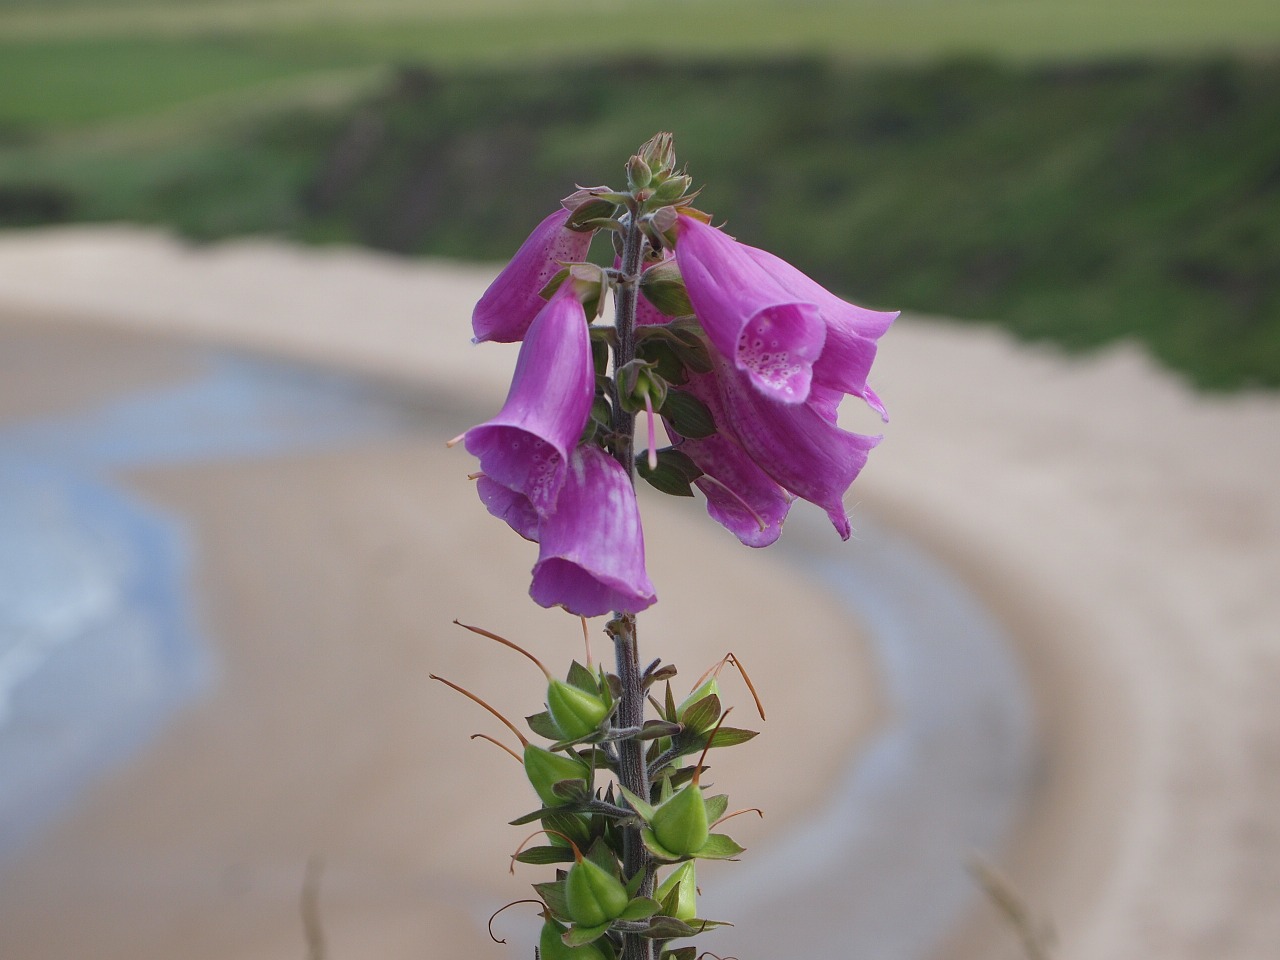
[631,766]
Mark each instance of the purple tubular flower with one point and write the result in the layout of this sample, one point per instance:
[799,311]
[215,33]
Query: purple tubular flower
[852,331]
[740,496]
[509,305]
[770,334]
[591,559]
[795,444]
[526,447]
[506,504]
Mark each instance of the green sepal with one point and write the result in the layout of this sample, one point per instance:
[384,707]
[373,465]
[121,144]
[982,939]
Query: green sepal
[600,356]
[680,953]
[571,791]
[552,894]
[716,806]
[665,357]
[725,737]
[654,729]
[579,936]
[669,928]
[674,474]
[659,853]
[543,725]
[597,208]
[663,287]
[633,885]
[541,856]
[642,807]
[641,908]
[582,678]
[574,825]
[603,857]
[702,715]
[664,672]
[719,846]
[689,416]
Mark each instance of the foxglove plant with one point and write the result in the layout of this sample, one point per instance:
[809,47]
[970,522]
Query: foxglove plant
[745,360]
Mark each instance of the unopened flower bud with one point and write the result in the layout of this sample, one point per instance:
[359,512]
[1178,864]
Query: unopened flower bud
[671,190]
[663,287]
[576,712]
[593,895]
[551,945]
[639,175]
[545,769]
[660,154]
[680,824]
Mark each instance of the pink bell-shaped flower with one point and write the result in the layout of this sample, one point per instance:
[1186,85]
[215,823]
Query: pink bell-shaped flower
[770,335]
[526,447]
[591,559]
[511,302]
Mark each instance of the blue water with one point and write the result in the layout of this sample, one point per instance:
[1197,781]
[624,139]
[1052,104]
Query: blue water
[98,646]
[97,639]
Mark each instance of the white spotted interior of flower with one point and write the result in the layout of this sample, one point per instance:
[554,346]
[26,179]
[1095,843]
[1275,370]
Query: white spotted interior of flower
[540,460]
[568,247]
[762,353]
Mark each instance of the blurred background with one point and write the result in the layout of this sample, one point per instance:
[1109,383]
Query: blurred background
[239,242]
[1076,171]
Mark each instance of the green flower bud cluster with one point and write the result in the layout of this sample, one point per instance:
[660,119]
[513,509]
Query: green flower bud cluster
[585,816]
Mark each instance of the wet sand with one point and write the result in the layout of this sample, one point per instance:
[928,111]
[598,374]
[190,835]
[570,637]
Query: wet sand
[1125,531]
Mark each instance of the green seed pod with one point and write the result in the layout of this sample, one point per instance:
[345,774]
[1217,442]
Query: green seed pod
[680,823]
[593,895]
[687,899]
[545,769]
[576,712]
[551,946]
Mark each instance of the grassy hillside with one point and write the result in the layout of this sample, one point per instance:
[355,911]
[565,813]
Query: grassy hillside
[1005,159]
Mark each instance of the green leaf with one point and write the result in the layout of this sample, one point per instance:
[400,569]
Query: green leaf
[719,847]
[688,415]
[544,855]
[640,908]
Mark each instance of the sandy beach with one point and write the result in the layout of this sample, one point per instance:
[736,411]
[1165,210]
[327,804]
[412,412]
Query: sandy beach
[1124,532]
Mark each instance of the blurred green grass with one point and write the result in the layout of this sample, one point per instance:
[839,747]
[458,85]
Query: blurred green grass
[1076,171]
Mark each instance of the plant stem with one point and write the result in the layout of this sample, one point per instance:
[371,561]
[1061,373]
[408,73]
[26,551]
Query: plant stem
[631,766]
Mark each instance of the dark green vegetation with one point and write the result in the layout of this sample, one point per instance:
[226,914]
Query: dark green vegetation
[1078,203]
